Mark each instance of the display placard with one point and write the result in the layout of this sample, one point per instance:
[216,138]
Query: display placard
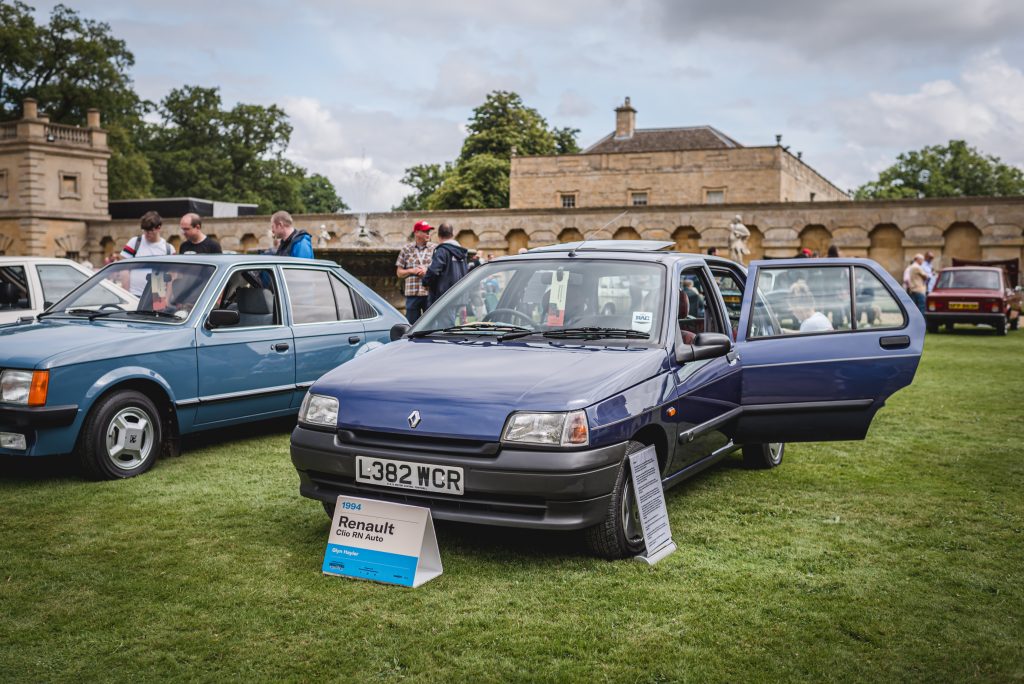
[383,542]
[650,500]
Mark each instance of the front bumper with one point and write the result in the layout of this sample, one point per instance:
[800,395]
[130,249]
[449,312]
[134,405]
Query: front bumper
[32,417]
[554,490]
[993,319]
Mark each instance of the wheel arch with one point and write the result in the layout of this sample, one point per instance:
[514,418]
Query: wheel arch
[654,435]
[155,392]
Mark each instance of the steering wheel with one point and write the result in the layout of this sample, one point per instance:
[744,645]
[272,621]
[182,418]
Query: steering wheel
[491,315]
[108,305]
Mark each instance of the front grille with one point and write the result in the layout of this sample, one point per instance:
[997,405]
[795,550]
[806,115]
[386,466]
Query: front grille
[522,506]
[415,443]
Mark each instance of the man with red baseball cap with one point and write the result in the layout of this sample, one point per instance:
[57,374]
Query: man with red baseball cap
[413,261]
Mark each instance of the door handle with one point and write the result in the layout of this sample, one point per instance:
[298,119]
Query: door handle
[354,339]
[895,342]
[280,346]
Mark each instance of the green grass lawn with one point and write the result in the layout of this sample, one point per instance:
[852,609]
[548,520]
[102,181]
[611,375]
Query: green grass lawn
[897,558]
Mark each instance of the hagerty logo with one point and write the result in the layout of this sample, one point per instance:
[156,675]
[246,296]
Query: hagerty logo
[414,419]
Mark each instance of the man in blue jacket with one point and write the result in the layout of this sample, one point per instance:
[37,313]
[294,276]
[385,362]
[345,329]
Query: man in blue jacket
[447,266]
[294,243]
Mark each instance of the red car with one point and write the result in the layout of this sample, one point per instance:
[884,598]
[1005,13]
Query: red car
[980,295]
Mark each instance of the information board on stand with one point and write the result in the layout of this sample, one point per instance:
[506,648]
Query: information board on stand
[650,500]
[383,542]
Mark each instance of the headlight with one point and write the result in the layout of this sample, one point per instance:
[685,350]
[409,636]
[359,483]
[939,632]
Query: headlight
[554,429]
[319,410]
[24,387]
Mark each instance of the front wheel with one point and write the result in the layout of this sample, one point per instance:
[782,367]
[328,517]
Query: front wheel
[121,437]
[763,456]
[619,535]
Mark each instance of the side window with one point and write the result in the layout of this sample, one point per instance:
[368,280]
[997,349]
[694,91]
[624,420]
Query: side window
[876,307]
[13,288]
[311,296]
[58,280]
[343,298]
[802,300]
[697,310]
[731,289]
[253,294]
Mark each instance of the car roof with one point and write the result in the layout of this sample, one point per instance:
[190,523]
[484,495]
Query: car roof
[231,259]
[628,250]
[973,268]
[35,260]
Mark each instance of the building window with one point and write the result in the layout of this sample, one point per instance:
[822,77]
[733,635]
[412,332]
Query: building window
[3,182]
[568,200]
[69,185]
[714,197]
[638,199]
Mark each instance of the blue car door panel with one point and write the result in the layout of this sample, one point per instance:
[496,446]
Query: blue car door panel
[823,343]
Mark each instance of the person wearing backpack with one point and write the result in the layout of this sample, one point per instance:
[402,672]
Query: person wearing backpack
[447,266]
[150,243]
[294,243]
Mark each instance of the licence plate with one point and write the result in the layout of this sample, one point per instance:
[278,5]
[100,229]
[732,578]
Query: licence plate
[423,477]
[963,305]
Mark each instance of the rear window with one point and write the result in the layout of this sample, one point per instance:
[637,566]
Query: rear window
[969,280]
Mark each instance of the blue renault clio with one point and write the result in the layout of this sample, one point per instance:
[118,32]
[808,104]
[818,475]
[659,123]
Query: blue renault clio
[151,349]
[517,397]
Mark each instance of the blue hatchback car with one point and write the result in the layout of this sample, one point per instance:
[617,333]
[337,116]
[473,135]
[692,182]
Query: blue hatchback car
[151,349]
[517,397]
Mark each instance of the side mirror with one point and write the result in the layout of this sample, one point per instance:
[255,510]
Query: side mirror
[220,318]
[398,330]
[705,346]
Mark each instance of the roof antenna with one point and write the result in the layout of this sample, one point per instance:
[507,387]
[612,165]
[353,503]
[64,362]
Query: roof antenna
[573,251]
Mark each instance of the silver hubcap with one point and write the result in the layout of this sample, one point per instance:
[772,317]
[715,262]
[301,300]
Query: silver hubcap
[630,516]
[775,451]
[129,438]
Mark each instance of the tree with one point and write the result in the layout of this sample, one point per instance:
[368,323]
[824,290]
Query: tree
[70,65]
[237,155]
[954,170]
[320,197]
[479,177]
[425,180]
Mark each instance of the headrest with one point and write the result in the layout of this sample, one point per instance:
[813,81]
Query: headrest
[252,300]
[684,304]
[8,293]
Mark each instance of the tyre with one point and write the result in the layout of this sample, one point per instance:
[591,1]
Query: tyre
[763,456]
[933,327]
[121,437]
[1015,323]
[619,535]
[329,508]
[1001,328]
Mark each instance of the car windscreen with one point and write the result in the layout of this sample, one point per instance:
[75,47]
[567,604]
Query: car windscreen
[155,289]
[553,297]
[968,280]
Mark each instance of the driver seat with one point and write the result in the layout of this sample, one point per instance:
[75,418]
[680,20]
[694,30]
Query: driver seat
[684,313]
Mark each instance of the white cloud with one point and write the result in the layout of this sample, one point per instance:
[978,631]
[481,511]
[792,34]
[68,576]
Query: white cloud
[571,104]
[365,153]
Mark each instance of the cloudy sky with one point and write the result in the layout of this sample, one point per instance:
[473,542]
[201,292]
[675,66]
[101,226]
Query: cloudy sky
[374,86]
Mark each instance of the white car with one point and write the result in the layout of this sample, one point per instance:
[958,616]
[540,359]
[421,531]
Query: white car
[28,285]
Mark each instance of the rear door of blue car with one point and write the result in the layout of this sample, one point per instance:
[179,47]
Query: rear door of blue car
[325,324]
[823,343]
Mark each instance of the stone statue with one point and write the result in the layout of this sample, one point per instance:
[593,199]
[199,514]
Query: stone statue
[738,235]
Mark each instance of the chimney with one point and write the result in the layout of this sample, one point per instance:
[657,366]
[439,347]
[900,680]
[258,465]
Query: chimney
[92,118]
[29,109]
[625,121]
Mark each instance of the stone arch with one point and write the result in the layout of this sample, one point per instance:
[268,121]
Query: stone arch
[175,241]
[517,239]
[687,239]
[570,235]
[250,243]
[626,233]
[755,243]
[887,247]
[816,237]
[468,239]
[963,241]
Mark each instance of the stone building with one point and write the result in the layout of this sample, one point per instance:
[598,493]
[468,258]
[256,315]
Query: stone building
[53,203]
[665,166]
[53,183]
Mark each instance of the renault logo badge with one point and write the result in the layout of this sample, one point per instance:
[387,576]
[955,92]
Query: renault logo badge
[414,419]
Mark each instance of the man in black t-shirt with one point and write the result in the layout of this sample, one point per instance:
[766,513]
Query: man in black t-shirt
[195,241]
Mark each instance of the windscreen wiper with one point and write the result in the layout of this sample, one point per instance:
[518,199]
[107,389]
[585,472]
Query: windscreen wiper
[590,333]
[472,328]
[93,314]
[152,312]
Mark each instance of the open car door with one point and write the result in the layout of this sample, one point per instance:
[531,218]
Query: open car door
[823,343]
